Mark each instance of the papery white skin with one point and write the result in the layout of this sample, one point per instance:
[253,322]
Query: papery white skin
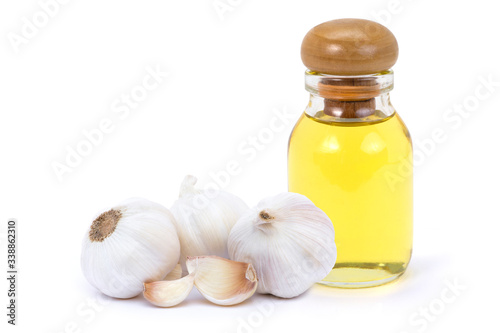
[291,250]
[144,247]
[204,219]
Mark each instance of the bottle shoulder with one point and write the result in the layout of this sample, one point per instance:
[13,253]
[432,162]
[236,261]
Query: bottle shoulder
[391,133]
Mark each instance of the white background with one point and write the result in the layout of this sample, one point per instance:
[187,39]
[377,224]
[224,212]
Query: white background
[226,76]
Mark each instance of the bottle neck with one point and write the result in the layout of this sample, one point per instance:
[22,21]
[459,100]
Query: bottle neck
[363,98]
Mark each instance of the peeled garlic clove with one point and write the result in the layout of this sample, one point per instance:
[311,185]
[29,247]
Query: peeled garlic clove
[168,293]
[290,242]
[130,244]
[204,219]
[223,281]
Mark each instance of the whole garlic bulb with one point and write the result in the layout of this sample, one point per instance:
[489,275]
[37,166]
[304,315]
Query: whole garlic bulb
[130,244]
[289,241]
[204,219]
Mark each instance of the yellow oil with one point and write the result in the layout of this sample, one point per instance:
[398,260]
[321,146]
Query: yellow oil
[359,174]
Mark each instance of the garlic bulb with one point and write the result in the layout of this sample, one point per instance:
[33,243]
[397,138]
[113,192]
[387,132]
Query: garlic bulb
[128,245]
[175,274]
[288,240]
[204,219]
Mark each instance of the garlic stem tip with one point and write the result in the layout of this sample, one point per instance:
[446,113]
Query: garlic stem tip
[188,186]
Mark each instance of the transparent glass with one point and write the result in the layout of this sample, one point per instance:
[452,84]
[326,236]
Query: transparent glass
[351,154]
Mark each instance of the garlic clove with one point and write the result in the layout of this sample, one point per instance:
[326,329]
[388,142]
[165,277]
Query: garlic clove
[168,293]
[175,274]
[223,281]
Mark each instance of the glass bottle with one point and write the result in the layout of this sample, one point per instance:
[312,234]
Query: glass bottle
[351,154]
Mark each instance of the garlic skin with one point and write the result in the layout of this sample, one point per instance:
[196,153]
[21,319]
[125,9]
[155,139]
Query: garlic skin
[289,241]
[223,281]
[204,219]
[130,244]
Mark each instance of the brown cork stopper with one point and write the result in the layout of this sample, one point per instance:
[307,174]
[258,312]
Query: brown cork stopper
[349,97]
[104,225]
[348,47]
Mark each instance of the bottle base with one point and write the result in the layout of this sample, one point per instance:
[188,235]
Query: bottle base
[363,275]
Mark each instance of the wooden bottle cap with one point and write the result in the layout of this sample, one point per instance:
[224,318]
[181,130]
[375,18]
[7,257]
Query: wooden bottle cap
[349,47]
